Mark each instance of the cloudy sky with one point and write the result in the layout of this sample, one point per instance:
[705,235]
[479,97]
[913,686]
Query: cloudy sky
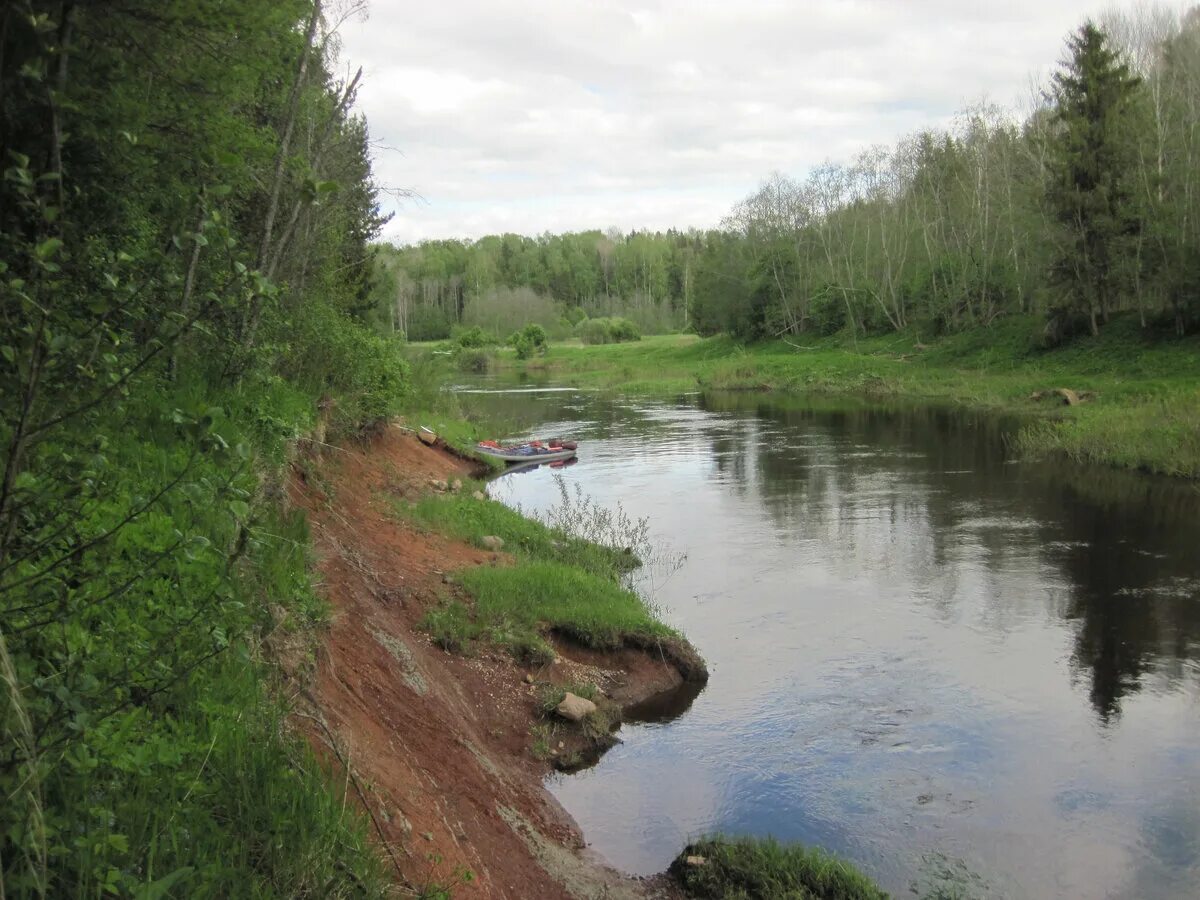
[562,115]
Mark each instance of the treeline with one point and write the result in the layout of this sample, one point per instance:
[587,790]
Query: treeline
[501,282]
[1088,207]
[185,212]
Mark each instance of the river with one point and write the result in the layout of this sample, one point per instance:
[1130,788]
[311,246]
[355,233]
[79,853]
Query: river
[964,673]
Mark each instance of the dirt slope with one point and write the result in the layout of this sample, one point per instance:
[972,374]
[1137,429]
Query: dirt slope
[439,744]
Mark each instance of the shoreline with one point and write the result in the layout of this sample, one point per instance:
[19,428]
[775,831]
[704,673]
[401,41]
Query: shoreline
[441,743]
[1072,404]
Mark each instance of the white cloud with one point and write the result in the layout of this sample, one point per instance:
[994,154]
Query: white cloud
[555,115]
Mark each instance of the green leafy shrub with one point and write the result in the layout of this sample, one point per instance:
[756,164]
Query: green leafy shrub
[594,331]
[613,330]
[475,337]
[530,340]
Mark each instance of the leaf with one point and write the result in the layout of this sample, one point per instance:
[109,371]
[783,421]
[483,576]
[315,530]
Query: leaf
[239,508]
[157,889]
[47,248]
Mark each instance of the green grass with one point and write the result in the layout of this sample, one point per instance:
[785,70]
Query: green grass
[1146,413]
[462,517]
[745,868]
[559,583]
[588,608]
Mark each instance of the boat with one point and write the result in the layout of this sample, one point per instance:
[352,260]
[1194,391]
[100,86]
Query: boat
[553,450]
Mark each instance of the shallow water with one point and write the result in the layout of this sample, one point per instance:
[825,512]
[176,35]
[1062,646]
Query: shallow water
[958,671]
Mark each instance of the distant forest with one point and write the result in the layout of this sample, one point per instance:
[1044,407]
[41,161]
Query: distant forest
[1088,207]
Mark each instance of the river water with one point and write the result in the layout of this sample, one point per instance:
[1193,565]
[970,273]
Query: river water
[963,673]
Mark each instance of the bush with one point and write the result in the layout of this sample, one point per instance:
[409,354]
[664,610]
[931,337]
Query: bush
[330,354]
[623,330]
[529,340]
[475,337]
[594,331]
[608,331]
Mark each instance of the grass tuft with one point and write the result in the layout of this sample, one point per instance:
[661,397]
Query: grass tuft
[744,868]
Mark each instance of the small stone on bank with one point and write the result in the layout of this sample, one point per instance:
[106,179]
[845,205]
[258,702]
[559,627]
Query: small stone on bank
[456,485]
[528,678]
[696,861]
[491,542]
[479,495]
[574,708]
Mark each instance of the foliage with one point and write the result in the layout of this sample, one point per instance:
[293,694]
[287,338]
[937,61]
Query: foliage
[762,867]
[1090,202]
[183,291]
[607,331]
[530,340]
[1091,170]
[475,338]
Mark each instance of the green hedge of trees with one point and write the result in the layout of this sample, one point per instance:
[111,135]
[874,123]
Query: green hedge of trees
[1088,206]
[185,210]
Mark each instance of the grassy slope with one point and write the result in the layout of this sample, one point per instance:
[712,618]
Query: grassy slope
[1146,414]
[558,582]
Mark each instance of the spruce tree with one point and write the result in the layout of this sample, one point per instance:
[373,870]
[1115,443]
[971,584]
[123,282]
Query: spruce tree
[1092,156]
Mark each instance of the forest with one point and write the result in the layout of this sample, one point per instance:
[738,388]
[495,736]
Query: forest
[185,212]
[1086,207]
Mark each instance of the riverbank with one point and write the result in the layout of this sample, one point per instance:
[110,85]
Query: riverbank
[448,747]
[1139,395]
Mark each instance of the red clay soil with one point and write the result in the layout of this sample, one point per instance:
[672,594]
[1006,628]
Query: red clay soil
[439,745]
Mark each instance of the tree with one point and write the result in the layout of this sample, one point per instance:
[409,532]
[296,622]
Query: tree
[1088,188]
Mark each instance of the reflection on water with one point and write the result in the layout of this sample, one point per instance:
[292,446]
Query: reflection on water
[919,649]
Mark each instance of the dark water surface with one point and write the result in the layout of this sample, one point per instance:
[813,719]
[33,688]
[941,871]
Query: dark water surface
[955,670]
